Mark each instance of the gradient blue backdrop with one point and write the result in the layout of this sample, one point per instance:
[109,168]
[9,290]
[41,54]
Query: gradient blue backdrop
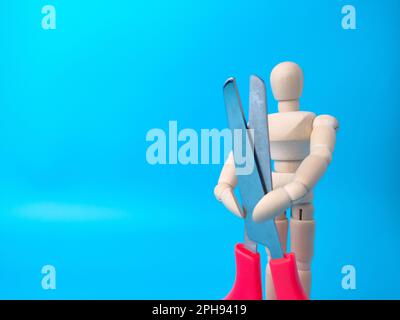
[76,103]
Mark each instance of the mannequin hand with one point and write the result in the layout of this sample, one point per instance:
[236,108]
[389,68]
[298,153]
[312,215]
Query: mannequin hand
[271,205]
[224,193]
[278,201]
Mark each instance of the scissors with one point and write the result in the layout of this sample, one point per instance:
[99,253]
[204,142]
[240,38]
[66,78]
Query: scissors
[253,185]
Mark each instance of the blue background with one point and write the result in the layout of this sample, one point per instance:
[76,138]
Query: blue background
[76,103]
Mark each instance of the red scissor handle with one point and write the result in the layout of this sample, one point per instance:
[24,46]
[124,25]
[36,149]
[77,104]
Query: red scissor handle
[248,285]
[286,278]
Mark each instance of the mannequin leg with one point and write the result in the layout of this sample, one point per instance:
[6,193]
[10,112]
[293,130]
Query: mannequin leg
[282,225]
[302,229]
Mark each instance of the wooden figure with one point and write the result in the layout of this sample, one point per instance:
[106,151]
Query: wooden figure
[301,148]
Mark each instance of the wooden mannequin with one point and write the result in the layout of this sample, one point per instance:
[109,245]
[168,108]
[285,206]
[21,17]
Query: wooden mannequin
[301,147]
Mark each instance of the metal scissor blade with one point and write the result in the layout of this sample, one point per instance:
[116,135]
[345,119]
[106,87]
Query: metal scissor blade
[258,121]
[250,184]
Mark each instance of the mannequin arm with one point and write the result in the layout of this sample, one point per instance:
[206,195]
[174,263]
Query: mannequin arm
[322,142]
[226,184]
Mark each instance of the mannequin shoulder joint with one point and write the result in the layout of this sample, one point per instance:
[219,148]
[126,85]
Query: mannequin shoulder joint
[326,120]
